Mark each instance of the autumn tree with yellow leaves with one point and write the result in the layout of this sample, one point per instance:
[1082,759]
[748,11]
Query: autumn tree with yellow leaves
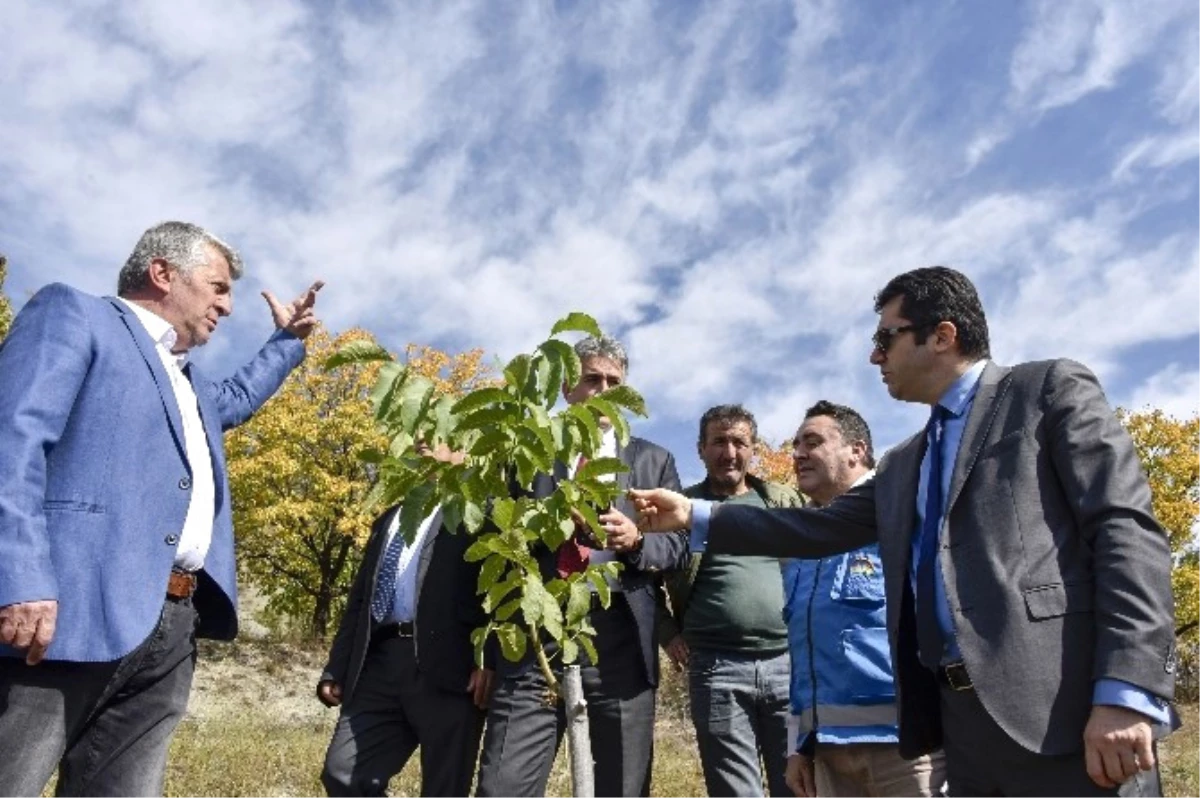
[1168,448]
[6,313]
[774,463]
[298,482]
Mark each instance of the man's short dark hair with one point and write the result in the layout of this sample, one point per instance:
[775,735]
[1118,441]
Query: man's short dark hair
[935,294]
[727,415]
[850,423]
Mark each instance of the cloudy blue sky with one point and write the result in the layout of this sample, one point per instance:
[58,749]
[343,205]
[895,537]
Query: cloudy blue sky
[723,185]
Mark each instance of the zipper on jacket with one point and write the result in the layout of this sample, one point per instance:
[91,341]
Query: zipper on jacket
[812,660]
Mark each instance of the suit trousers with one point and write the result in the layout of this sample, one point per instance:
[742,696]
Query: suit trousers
[106,726]
[392,711]
[981,759]
[524,733]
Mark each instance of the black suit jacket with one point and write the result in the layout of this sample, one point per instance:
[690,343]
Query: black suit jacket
[650,466]
[447,612]
[1056,572]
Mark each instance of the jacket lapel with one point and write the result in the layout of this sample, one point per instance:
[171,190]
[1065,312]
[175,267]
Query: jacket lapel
[897,492]
[993,384]
[149,352]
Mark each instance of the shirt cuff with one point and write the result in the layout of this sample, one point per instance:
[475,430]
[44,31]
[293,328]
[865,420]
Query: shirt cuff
[793,734]
[1115,692]
[698,539]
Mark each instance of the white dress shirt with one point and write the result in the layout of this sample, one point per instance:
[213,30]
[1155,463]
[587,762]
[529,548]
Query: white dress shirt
[196,534]
[404,608]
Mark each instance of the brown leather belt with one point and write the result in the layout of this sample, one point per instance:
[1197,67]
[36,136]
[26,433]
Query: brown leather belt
[181,585]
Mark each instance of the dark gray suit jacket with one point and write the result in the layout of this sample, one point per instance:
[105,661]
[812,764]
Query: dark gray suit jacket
[447,612]
[1056,572]
[650,466]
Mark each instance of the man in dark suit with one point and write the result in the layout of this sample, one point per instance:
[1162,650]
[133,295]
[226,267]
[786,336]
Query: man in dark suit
[1028,583]
[523,731]
[116,544]
[402,665]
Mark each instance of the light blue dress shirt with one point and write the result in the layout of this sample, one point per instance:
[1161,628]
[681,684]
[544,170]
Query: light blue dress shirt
[958,400]
[404,608]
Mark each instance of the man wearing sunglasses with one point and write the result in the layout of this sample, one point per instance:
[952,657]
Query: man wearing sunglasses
[1027,581]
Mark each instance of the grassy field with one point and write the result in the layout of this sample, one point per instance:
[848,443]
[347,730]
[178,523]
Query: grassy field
[255,728]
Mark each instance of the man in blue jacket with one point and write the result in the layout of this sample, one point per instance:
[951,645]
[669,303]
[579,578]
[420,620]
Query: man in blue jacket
[116,540]
[843,735]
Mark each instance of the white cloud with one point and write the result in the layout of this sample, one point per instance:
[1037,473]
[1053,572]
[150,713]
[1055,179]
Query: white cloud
[725,186]
[1175,390]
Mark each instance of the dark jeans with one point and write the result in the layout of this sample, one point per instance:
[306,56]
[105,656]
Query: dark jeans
[740,709]
[393,711]
[106,726]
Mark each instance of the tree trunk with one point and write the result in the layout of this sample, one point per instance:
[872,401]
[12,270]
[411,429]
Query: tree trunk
[579,739]
[321,607]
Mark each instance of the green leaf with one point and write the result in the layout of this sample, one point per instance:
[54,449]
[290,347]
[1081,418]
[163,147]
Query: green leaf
[596,576]
[508,609]
[579,601]
[627,398]
[526,468]
[577,322]
[552,617]
[479,638]
[490,441]
[612,411]
[536,448]
[370,455]
[517,371]
[570,652]
[414,402]
[541,432]
[452,512]
[391,376]
[473,517]
[512,641]
[586,642]
[415,509]
[480,549]
[488,419]
[594,469]
[533,598]
[443,413]
[481,398]
[564,353]
[492,568]
[502,514]
[497,592]
[357,352]
[586,423]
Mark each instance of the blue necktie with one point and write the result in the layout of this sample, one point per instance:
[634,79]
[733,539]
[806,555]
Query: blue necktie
[385,586]
[929,632]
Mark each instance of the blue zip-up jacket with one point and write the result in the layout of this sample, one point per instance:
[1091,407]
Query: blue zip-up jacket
[837,635]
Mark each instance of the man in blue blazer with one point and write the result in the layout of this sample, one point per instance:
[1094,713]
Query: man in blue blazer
[116,541]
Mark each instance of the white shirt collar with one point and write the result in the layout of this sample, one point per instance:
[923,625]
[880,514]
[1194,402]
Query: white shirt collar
[159,329]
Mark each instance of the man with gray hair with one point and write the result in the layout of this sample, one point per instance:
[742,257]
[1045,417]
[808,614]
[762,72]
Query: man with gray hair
[116,540]
[523,731]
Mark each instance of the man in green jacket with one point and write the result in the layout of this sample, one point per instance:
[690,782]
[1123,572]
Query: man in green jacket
[726,626]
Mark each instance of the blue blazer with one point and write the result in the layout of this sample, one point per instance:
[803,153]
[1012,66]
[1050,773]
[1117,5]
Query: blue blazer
[94,476]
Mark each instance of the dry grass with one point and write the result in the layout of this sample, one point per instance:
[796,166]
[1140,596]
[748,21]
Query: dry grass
[1180,757]
[255,728]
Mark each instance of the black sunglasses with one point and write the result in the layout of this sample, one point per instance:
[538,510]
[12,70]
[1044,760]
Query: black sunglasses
[884,336]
